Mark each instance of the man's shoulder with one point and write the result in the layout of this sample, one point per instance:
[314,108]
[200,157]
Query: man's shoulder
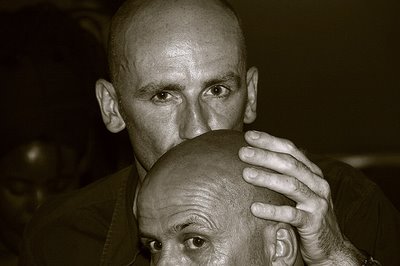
[344,178]
[76,222]
[350,189]
[96,194]
[364,213]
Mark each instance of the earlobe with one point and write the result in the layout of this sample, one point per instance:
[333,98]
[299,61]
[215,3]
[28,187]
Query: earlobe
[251,106]
[283,246]
[107,98]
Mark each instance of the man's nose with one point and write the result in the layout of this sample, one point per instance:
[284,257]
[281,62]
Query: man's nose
[172,259]
[39,197]
[36,198]
[193,121]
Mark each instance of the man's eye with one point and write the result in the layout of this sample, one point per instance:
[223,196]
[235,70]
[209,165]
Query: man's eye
[217,91]
[162,96]
[155,246]
[195,242]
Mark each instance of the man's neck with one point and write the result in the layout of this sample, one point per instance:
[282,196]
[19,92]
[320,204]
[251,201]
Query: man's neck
[141,171]
[142,174]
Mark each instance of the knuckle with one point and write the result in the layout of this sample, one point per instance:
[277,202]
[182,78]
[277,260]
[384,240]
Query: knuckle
[288,163]
[297,164]
[289,145]
[297,187]
[293,184]
[323,206]
[292,214]
[325,188]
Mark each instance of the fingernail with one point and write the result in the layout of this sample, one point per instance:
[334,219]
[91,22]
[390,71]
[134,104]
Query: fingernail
[250,172]
[256,207]
[248,152]
[254,134]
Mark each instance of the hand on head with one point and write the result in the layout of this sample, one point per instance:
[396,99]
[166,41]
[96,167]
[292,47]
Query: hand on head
[194,207]
[295,176]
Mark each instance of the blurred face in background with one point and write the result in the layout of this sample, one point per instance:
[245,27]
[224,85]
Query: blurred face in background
[48,65]
[29,174]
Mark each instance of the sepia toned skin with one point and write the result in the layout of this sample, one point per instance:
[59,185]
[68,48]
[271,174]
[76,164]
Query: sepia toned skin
[188,201]
[197,83]
[178,71]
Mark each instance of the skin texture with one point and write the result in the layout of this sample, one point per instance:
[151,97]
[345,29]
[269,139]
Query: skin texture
[180,82]
[171,81]
[187,203]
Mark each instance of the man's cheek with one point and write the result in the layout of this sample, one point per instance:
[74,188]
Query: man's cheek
[229,119]
[229,114]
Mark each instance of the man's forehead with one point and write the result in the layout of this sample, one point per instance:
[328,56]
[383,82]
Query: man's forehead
[170,40]
[180,28]
[172,216]
[184,66]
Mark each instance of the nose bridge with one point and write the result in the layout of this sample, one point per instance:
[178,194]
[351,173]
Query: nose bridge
[39,196]
[172,257]
[193,120]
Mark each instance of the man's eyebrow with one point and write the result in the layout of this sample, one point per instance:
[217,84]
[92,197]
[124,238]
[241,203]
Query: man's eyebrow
[176,228]
[146,236]
[230,76]
[154,88]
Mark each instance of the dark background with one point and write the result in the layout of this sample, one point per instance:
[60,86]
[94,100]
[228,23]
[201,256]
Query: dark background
[329,72]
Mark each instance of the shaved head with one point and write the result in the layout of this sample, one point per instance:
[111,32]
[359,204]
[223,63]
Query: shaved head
[194,206]
[209,161]
[142,22]
[178,70]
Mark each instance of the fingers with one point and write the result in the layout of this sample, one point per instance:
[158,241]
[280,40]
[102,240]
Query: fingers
[284,164]
[268,142]
[289,186]
[285,214]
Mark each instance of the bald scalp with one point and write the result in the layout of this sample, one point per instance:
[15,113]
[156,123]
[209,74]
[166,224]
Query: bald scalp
[133,14]
[212,160]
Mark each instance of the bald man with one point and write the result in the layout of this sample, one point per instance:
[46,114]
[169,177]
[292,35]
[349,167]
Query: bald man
[194,209]
[178,70]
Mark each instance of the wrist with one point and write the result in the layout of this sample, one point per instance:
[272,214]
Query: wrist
[349,255]
[369,260]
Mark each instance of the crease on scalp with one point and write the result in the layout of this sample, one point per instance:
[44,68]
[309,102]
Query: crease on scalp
[127,13]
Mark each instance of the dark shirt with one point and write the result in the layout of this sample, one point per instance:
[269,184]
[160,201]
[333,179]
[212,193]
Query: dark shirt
[96,225]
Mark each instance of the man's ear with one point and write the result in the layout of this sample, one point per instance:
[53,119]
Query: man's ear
[250,113]
[282,246]
[108,101]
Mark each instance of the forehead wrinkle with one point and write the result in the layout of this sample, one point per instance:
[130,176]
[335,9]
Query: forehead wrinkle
[207,191]
[173,218]
[199,196]
[191,218]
